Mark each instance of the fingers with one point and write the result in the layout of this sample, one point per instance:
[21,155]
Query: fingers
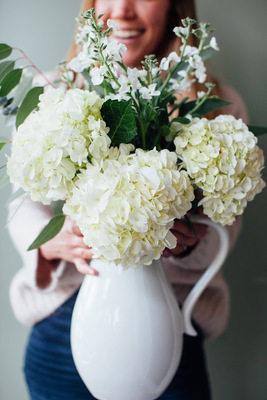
[188,236]
[173,252]
[76,230]
[83,252]
[84,268]
[189,231]
[183,240]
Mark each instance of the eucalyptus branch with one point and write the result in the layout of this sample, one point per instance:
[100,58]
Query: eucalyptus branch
[34,66]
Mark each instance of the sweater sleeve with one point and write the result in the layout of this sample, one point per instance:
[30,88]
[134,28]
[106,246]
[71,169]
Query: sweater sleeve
[35,293]
[26,219]
[237,108]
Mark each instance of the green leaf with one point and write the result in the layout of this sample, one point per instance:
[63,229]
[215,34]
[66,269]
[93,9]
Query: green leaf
[10,80]
[5,51]
[119,117]
[164,131]
[210,104]
[208,53]
[6,67]
[25,84]
[257,130]
[28,104]
[181,120]
[49,231]
[2,144]
[4,180]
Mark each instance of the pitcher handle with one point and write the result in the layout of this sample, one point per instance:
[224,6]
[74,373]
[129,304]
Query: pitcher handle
[210,272]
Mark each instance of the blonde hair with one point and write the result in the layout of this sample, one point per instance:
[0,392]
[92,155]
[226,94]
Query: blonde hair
[179,9]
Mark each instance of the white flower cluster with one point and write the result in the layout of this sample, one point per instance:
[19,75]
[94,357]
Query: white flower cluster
[55,141]
[108,52]
[111,51]
[222,158]
[125,204]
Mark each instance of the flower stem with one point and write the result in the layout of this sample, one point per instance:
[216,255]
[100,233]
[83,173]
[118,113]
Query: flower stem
[34,66]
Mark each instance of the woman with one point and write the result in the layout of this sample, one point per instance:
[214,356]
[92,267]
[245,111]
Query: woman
[44,290]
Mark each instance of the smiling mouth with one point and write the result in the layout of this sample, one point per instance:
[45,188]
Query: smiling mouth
[128,34]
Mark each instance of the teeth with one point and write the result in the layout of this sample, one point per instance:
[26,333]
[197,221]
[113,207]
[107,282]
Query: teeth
[128,34]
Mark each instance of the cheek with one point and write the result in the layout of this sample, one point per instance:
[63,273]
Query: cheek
[101,7]
[156,18]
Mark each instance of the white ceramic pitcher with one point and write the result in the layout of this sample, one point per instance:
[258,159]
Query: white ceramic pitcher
[127,329]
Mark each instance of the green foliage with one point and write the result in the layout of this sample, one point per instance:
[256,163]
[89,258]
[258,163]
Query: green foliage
[208,53]
[195,108]
[5,51]
[10,80]
[182,120]
[49,231]
[119,117]
[5,67]
[2,144]
[28,104]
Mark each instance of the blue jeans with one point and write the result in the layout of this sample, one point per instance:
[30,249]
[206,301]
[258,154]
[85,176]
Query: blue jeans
[51,374]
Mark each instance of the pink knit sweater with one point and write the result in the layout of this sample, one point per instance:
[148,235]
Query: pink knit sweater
[31,303]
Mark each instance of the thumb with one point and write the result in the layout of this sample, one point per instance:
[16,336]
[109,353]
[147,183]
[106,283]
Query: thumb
[84,268]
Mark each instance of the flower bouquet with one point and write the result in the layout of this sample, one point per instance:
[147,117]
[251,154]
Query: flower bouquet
[125,152]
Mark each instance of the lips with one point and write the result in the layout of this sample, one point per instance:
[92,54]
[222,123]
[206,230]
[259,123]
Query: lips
[128,33]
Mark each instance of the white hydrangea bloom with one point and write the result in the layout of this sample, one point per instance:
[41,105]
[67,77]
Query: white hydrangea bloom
[55,141]
[222,158]
[125,204]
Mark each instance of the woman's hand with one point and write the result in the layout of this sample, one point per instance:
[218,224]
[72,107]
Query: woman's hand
[68,245]
[187,238]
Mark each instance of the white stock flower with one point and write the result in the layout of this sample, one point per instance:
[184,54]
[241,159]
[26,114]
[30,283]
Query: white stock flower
[180,31]
[125,204]
[197,64]
[84,33]
[190,51]
[81,62]
[181,85]
[55,141]
[201,94]
[149,92]
[200,73]
[112,24]
[213,44]
[222,158]
[67,76]
[165,62]
[113,50]
[97,74]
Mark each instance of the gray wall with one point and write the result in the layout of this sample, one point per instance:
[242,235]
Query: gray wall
[237,360]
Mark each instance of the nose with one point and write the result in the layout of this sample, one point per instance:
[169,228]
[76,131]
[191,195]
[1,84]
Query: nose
[123,9]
